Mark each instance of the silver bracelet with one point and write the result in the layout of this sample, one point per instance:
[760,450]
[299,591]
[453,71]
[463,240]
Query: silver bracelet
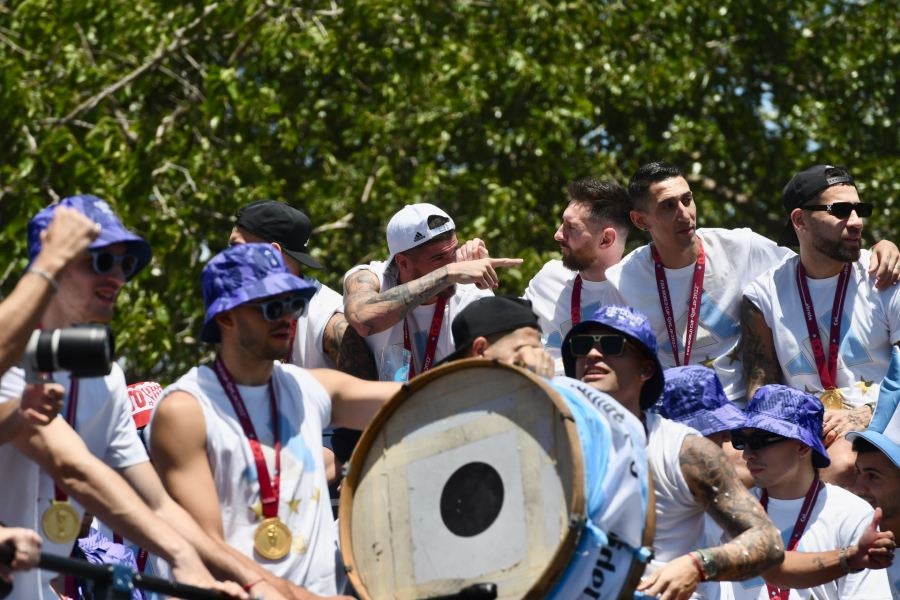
[46,277]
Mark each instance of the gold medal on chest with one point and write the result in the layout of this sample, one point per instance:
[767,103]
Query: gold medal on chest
[61,522]
[272,539]
[832,399]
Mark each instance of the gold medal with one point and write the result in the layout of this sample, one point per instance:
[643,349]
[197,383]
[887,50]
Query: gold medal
[60,522]
[272,539]
[832,399]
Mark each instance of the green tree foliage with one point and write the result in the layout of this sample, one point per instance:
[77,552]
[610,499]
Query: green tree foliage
[179,112]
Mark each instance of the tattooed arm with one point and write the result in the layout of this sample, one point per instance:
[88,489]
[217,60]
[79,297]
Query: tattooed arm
[760,359]
[347,349]
[755,546]
[802,570]
[370,311]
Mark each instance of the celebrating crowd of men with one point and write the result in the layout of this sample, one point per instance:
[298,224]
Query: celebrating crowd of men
[756,390]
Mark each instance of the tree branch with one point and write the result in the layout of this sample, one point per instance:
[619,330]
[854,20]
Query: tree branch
[180,41]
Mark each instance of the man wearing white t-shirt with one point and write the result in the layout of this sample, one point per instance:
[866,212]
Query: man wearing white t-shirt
[591,238]
[689,281]
[97,408]
[615,352]
[878,460]
[781,442]
[404,306]
[321,337]
[817,322]
[237,443]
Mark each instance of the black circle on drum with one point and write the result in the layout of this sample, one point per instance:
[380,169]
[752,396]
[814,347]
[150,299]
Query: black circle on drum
[471,499]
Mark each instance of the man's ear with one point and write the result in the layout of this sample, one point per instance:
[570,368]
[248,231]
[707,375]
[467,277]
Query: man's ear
[402,261]
[803,449]
[648,368]
[225,320]
[608,237]
[797,219]
[277,246]
[639,220]
[479,345]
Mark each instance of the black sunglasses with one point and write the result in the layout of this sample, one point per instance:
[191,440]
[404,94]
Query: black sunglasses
[609,344]
[842,210]
[755,442]
[273,310]
[103,262]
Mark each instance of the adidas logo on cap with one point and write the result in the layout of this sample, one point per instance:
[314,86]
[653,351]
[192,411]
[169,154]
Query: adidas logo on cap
[418,236]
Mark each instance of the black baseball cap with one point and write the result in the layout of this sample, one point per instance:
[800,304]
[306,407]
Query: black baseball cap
[278,222]
[803,187]
[488,316]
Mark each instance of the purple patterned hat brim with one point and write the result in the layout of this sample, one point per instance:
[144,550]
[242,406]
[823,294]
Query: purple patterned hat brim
[271,285]
[756,420]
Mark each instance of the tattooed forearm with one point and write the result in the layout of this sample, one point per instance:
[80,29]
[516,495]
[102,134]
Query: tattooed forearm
[756,544]
[370,311]
[348,349]
[858,418]
[760,360]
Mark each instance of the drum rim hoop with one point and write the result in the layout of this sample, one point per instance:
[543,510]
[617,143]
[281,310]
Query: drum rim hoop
[566,548]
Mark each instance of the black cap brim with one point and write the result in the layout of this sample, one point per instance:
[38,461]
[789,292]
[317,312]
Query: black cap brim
[303,258]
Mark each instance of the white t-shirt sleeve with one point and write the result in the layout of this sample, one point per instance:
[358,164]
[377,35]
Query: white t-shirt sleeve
[12,384]
[125,448]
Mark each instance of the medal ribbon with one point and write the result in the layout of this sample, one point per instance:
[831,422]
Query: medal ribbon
[268,488]
[433,334]
[71,409]
[799,526]
[665,301]
[576,301]
[827,370]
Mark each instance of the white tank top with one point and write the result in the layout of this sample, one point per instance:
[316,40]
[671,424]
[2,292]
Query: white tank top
[304,410]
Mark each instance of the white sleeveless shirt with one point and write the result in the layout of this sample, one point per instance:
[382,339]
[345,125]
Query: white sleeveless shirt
[304,409]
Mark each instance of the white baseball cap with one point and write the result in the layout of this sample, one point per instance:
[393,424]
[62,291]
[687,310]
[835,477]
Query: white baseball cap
[409,227]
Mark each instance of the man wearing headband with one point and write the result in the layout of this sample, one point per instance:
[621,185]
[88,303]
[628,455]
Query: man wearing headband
[238,442]
[97,408]
[592,238]
[405,305]
[615,352]
[817,322]
[878,460]
[781,442]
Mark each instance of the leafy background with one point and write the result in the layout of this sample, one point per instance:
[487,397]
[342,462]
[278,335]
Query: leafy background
[179,112]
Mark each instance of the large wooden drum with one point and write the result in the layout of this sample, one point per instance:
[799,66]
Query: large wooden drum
[472,473]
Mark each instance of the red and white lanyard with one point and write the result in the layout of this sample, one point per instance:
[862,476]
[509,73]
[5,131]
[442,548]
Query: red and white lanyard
[71,412]
[827,370]
[268,486]
[576,301]
[665,301]
[433,334]
[809,502]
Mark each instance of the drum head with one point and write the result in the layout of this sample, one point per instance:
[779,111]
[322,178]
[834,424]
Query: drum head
[471,474]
